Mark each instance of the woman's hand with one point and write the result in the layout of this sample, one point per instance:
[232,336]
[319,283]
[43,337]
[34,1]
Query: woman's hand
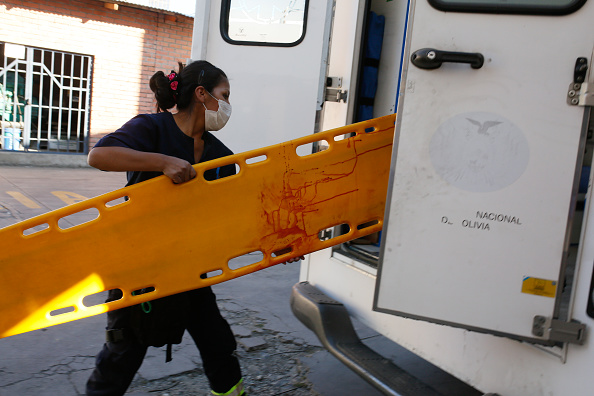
[178,170]
[294,259]
[285,251]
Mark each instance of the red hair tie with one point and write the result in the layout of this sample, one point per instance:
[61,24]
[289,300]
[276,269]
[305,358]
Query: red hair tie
[173,80]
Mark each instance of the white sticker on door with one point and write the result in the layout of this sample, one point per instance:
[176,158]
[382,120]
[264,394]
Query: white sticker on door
[479,152]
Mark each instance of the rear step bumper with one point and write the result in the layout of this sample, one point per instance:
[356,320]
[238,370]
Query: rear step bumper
[330,321]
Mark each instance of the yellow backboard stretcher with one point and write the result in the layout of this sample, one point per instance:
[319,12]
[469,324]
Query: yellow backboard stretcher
[166,236]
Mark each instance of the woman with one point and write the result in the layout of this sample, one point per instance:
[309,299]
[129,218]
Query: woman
[147,146]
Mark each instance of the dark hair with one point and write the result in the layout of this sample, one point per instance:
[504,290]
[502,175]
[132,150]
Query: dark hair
[197,73]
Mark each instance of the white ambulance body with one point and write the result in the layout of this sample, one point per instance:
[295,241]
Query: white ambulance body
[485,263]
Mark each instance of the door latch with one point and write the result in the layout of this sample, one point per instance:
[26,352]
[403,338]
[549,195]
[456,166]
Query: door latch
[580,92]
[429,58]
[572,332]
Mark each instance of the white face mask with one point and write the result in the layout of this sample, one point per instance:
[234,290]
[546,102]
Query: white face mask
[215,120]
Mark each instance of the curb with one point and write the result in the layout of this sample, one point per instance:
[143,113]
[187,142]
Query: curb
[8,158]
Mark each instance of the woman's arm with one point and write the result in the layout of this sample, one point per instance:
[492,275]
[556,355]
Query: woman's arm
[121,159]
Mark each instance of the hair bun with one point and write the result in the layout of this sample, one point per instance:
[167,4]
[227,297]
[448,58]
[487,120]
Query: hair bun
[165,89]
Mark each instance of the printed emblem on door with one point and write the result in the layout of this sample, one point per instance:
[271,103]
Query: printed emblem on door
[479,152]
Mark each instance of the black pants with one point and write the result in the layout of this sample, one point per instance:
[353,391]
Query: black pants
[118,362]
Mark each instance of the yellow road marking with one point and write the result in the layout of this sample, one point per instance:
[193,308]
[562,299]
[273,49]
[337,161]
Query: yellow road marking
[23,199]
[69,197]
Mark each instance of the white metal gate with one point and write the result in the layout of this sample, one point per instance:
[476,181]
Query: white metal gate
[45,99]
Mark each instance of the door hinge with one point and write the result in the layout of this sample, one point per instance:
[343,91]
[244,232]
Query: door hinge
[572,332]
[580,92]
[334,92]
[336,95]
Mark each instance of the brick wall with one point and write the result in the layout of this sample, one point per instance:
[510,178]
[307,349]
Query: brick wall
[128,46]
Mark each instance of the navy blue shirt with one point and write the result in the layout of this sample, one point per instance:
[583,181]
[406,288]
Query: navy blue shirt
[158,133]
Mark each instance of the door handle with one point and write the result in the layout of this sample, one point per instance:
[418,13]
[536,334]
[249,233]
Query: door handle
[429,58]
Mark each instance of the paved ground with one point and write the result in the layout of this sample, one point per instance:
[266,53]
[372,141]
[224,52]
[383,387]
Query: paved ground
[279,356]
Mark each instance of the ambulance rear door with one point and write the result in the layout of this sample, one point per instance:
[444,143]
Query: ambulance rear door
[488,151]
[276,54]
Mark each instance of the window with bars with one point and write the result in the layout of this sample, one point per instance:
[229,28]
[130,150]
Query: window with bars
[44,99]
